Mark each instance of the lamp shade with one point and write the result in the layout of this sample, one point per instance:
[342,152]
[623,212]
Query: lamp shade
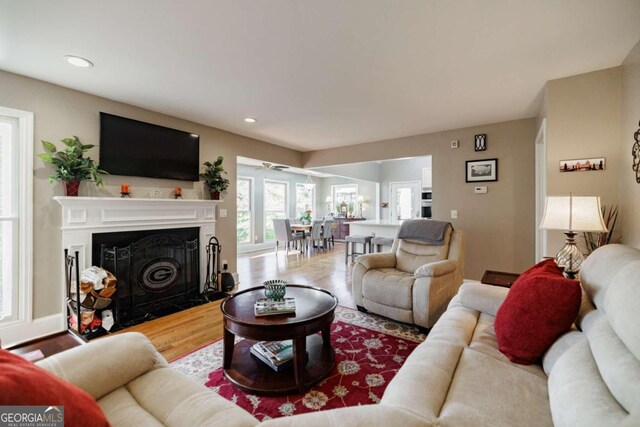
[574,213]
[328,199]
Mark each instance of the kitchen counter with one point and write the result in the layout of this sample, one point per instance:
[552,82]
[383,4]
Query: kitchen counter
[375,227]
[379,222]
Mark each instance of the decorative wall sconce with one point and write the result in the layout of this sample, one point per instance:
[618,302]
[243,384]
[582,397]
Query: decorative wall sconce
[481,142]
[635,152]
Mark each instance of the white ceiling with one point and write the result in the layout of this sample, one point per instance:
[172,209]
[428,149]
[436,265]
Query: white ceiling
[319,74]
[260,163]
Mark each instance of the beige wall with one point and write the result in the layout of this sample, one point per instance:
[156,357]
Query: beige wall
[629,190]
[499,226]
[583,120]
[60,112]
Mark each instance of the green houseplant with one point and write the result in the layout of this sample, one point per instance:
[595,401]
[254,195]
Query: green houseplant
[306,217]
[71,167]
[213,178]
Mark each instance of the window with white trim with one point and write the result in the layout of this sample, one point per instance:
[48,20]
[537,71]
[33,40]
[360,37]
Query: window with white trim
[15,215]
[245,210]
[305,199]
[345,193]
[275,205]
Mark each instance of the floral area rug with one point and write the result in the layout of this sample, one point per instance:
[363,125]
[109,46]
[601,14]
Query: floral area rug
[369,351]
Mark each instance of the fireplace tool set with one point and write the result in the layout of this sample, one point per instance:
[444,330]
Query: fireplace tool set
[217,282]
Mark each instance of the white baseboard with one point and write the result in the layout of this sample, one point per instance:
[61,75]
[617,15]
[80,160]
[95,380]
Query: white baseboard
[26,331]
[243,249]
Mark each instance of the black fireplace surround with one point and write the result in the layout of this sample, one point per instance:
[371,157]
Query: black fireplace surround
[158,271]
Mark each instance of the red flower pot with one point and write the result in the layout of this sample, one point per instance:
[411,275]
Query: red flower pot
[71,188]
[215,195]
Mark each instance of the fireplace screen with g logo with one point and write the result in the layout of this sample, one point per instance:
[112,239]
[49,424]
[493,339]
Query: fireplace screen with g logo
[159,274]
[156,270]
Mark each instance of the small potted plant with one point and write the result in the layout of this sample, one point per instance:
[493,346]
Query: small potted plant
[71,167]
[306,217]
[213,178]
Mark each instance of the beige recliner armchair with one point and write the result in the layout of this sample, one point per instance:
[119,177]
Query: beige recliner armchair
[414,282]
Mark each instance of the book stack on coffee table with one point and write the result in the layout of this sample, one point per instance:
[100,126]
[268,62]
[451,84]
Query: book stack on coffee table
[269,307]
[278,355]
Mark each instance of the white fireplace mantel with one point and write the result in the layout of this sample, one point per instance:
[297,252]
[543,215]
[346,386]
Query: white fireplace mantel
[134,214]
[84,216]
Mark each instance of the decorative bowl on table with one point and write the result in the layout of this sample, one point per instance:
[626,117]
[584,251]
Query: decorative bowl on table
[275,289]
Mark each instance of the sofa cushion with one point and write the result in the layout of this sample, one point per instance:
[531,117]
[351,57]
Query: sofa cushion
[578,395]
[421,386]
[74,364]
[365,415]
[540,306]
[484,341]
[481,297]
[597,272]
[121,408]
[167,397]
[23,383]
[390,287]
[488,392]
[456,375]
[610,278]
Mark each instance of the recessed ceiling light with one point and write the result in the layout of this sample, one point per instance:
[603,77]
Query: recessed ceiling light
[250,120]
[78,62]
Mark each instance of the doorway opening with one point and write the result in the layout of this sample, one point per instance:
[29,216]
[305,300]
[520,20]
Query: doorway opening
[404,198]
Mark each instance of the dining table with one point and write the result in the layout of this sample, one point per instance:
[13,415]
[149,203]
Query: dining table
[305,229]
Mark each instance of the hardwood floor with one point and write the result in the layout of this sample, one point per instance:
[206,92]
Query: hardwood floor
[323,269]
[184,332]
[181,333]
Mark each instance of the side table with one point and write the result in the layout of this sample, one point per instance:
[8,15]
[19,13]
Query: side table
[499,278]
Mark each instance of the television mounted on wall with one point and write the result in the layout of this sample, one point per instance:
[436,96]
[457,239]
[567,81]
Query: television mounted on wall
[133,148]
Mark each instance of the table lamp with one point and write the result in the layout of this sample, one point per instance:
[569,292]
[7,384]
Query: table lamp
[360,201]
[570,214]
[328,201]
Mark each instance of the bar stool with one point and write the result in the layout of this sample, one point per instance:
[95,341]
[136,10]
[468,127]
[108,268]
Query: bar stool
[378,242]
[352,241]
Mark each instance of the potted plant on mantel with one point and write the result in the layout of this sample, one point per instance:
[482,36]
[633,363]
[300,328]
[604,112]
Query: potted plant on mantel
[213,178]
[71,167]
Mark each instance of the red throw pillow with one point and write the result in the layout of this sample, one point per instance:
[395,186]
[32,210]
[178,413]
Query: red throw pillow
[23,383]
[540,306]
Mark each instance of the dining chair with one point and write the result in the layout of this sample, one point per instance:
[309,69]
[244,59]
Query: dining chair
[316,235]
[327,232]
[284,234]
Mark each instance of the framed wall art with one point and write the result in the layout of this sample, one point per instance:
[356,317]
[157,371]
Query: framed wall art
[583,165]
[481,170]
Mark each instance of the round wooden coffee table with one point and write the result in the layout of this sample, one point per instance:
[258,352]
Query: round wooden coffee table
[315,309]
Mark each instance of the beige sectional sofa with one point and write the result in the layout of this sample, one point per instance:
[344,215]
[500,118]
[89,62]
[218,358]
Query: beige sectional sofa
[589,377]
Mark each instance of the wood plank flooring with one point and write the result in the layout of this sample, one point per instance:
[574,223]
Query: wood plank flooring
[188,330]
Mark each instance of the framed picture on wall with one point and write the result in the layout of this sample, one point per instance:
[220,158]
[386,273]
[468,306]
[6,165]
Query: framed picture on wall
[481,170]
[583,165]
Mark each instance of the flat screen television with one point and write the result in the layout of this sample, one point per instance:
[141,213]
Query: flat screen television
[133,148]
